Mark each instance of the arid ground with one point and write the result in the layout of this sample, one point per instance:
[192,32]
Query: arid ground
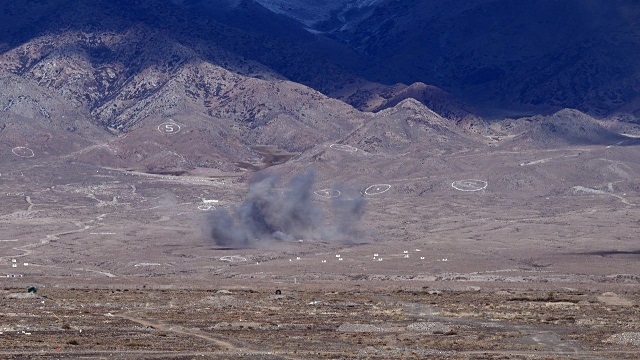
[519,254]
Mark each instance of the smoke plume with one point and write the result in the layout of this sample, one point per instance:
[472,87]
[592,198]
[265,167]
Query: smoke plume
[269,214]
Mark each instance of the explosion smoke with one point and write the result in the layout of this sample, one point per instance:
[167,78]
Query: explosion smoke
[270,215]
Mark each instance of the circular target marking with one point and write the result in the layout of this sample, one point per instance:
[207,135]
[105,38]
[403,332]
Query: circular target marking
[206,207]
[169,128]
[233,258]
[377,189]
[328,193]
[469,185]
[342,147]
[22,151]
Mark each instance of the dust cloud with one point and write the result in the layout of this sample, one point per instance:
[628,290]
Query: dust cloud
[270,215]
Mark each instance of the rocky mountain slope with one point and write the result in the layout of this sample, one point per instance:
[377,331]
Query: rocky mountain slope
[171,86]
[533,54]
[33,118]
[538,56]
[131,76]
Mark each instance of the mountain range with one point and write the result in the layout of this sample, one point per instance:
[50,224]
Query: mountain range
[537,55]
[96,80]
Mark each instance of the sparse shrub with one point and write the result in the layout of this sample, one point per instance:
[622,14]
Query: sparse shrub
[550,296]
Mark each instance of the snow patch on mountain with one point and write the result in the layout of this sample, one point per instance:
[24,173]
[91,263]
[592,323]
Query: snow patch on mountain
[311,12]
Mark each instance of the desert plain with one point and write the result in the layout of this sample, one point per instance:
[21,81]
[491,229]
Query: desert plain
[507,252]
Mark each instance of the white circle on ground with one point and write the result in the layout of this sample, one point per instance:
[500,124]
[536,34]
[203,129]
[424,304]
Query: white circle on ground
[469,185]
[233,258]
[169,128]
[22,151]
[377,189]
[206,207]
[342,147]
[328,193]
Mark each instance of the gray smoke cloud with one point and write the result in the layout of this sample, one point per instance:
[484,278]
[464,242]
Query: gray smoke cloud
[269,215]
